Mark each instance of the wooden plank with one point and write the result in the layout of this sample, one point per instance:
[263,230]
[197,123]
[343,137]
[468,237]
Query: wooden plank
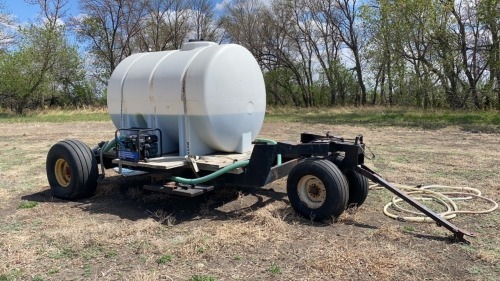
[217,161]
[162,163]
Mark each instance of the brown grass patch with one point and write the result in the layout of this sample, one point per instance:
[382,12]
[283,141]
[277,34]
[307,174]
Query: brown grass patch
[121,232]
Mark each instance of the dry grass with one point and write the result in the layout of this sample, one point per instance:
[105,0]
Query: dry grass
[237,234]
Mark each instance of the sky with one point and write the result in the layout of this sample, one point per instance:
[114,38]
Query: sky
[26,12]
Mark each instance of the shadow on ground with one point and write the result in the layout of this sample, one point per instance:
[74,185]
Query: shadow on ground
[125,198]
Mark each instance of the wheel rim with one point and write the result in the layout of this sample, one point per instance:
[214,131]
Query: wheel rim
[311,191]
[63,172]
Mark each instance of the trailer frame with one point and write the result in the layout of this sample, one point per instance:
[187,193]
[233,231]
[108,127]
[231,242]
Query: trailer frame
[328,156]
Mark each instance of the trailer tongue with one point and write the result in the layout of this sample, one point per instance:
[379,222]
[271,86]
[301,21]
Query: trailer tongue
[458,232]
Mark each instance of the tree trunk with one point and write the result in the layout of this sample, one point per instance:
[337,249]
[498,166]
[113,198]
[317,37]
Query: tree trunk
[359,75]
[389,82]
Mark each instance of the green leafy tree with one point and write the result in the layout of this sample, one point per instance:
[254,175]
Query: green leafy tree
[44,66]
[489,15]
[25,71]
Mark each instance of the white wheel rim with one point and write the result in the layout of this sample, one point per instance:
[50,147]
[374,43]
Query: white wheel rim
[311,191]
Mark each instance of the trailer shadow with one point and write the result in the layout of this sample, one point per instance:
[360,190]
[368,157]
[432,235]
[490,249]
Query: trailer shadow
[125,198]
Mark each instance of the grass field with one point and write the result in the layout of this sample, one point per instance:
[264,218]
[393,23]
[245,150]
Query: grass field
[127,233]
[475,121]
[56,116]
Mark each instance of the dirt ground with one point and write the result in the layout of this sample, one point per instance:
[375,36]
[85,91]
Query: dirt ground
[126,233]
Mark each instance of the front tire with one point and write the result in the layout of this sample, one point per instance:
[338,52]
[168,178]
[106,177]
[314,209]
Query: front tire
[71,170]
[317,189]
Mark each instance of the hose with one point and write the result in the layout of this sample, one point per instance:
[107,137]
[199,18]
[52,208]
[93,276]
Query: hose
[211,176]
[110,144]
[441,197]
[224,170]
[278,158]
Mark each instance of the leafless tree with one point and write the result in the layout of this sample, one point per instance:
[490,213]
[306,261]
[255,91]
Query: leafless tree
[471,44]
[165,25]
[347,17]
[325,41]
[203,18]
[109,26]
[243,22]
[6,28]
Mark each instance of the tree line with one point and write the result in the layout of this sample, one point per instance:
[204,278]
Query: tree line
[421,53]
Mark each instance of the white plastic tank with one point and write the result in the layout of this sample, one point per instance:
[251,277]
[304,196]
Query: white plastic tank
[204,97]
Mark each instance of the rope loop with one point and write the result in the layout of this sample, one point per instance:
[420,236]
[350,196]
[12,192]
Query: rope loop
[443,195]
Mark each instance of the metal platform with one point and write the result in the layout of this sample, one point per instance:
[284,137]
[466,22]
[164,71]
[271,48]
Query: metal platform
[211,162]
[176,189]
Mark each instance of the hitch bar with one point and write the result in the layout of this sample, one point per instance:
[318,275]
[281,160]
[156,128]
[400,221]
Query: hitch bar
[368,173]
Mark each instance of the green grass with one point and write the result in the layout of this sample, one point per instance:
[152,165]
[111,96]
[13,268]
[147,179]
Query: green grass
[27,205]
[87,270]
[202,278]
[53,271]
[56,116]
[275,269]
[63,253]
[475,121]
[201,250]
[92,252]
[408,228]
[11,276]
[111,254]
[164,259]
[11,226]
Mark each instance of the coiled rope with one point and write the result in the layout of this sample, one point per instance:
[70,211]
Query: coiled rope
[446,196]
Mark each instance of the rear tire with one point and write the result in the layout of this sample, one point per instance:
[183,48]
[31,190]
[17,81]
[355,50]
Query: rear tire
[317,189]
[358,184]
[71,170]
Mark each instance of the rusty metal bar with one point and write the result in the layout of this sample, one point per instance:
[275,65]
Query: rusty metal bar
[367,172]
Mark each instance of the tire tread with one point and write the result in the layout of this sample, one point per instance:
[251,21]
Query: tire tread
[83,165]
[336,185]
